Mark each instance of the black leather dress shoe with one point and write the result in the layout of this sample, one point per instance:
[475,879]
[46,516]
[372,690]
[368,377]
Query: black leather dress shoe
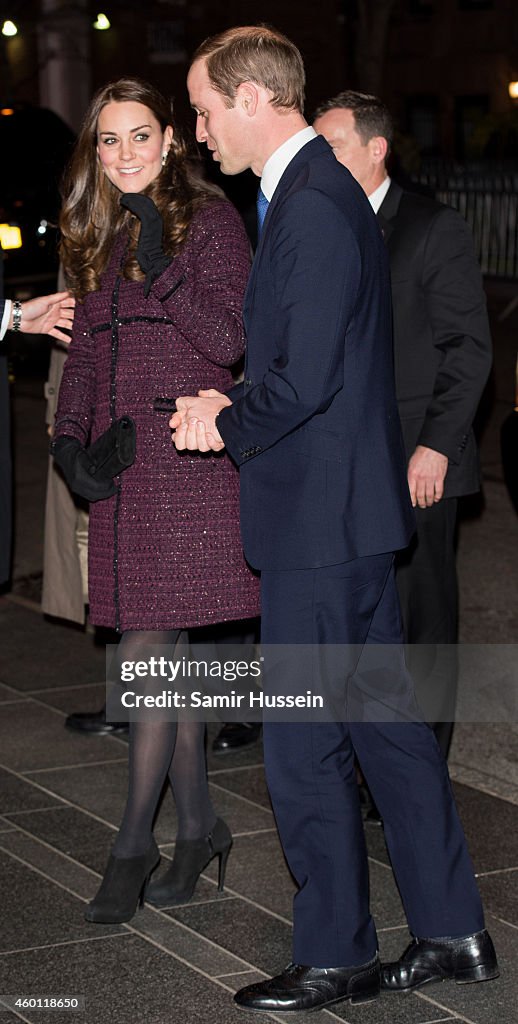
[234,735]
[310,988]
[466,960]
[94,722]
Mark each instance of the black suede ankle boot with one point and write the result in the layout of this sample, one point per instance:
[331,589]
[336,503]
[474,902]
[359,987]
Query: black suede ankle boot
[191,857]
[122,887]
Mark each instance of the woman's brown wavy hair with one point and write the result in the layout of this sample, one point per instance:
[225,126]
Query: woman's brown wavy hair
[91,214]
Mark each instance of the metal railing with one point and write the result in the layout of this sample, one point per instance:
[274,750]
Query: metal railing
[487,198]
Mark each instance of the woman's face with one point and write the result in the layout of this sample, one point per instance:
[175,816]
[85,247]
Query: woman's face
[131,145]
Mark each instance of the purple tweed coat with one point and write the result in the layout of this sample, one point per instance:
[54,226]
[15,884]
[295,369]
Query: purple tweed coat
[165,551]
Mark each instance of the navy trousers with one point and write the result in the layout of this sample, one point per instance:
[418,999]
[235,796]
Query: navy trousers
[311,776]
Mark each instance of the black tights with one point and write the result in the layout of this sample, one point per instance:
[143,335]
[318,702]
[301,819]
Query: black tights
[158,749]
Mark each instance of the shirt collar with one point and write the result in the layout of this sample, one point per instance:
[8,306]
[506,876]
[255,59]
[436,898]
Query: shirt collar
[277,163]
[376,198]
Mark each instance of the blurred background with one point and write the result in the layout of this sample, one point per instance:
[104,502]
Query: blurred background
[448,69]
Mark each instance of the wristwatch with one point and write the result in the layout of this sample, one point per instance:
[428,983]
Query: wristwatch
[17,316]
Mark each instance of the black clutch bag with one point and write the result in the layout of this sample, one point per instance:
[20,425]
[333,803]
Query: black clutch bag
[114,450]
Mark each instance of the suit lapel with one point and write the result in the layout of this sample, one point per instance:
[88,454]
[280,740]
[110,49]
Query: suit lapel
[310,150]
[388,210]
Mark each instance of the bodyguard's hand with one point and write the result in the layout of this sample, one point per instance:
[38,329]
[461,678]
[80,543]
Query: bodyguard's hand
[150,254]
[194,422]
[426,474]
[47,314]
[76,464]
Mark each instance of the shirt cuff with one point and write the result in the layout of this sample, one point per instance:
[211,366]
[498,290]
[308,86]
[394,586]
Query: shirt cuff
[5,318]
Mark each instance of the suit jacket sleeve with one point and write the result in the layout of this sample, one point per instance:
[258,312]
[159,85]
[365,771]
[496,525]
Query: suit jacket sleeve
[456,308]
[235,392]
[312,302]
[3,327]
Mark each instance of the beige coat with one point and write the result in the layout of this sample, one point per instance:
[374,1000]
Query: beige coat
[65,588]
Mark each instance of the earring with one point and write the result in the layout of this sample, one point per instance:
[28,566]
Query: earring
[165,154]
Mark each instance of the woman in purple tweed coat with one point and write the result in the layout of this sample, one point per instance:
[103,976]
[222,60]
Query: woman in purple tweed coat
[159,262]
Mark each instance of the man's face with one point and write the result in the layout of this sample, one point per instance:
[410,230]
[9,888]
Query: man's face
[339,128]
[223,129]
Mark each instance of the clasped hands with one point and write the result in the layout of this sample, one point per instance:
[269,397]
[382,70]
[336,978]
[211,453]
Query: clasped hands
[194,422]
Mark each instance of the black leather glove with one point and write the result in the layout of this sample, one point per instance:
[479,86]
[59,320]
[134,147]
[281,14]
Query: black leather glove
[77,467]
[150,252]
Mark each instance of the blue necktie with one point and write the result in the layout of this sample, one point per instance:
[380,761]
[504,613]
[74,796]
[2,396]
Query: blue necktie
[262,209]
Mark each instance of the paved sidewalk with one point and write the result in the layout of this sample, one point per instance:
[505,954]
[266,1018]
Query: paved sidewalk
[61,797]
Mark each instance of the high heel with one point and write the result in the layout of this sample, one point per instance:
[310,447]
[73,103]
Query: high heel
[191,857]
[123,887]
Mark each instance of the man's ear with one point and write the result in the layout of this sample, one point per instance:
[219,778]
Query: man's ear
[247,97]
[378,147]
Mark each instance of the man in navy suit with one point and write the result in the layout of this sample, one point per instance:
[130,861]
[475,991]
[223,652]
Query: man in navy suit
[442,349]
[315,432]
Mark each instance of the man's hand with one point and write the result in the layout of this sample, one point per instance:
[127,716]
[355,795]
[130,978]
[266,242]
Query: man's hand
[194,422]
[426,474]
[46,314]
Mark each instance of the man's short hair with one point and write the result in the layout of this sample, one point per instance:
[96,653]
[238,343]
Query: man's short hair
[371,116]
[259,54]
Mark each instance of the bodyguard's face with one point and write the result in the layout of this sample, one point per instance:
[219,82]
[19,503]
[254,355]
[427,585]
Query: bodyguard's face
[223,129]
[339,128]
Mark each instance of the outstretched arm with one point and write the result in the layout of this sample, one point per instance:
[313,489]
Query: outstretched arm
[45,315]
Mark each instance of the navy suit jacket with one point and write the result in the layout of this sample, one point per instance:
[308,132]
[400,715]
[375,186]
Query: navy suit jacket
[314,427]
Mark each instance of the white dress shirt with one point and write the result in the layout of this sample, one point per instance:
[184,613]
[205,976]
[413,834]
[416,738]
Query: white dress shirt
[5,318]
[376,198]
[277,163]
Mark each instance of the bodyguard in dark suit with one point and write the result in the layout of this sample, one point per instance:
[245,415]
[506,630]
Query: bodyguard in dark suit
[314,429]
[442,351]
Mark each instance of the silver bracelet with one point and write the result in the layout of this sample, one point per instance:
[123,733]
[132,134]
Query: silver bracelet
[17,316]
